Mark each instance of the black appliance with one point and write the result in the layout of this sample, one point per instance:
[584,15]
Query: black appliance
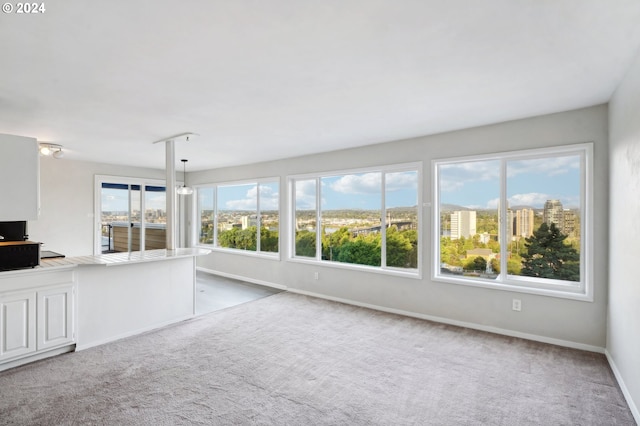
[15,251]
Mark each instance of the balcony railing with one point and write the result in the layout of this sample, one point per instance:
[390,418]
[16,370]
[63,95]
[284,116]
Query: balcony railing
[115,236]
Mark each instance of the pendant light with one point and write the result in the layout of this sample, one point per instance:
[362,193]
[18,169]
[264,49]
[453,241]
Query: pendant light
[184,190]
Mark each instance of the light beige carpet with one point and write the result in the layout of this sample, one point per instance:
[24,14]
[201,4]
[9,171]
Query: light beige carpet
[294,360]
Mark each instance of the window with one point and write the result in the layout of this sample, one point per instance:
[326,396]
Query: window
[240,216]
[367,218]
[517,219]
[132,214]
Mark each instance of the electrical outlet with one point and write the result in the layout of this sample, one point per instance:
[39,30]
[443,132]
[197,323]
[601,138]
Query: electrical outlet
[316,275]
[516,305]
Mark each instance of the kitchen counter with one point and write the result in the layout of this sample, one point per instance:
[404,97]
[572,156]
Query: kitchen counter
[111,259]
[93,300]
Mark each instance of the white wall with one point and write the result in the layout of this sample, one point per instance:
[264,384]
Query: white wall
[66,220]
[623,331]
[566,320]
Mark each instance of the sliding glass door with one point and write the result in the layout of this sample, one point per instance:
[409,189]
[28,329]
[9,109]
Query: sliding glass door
[131,215]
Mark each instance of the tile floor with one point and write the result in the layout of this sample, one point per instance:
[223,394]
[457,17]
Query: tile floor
[214,292]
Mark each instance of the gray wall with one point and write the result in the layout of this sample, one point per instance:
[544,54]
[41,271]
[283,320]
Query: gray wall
[551,319]
[623,333]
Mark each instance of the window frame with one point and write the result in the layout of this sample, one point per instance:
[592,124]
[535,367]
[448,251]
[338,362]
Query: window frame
[317,260]
[583,290]
[98,180]
[213,246]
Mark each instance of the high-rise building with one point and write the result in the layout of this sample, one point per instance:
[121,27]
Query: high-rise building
[463,224]
[523,222]
[554,213]
[571,224]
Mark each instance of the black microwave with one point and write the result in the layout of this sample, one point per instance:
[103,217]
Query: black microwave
[15,251]
[19,255]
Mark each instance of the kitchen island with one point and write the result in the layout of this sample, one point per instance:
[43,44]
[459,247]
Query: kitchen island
[80,302]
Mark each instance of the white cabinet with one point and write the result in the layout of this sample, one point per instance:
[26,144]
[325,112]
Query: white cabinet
[17,325]
[37,314]
[55,317]
[19,178]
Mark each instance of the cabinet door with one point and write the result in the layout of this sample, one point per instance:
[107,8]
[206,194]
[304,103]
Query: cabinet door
[17,325]
[55,317]
[19,178]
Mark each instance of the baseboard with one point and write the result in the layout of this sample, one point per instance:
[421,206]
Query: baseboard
[506,332]
[36,357]
[242,278]
[496,330]
[625,391]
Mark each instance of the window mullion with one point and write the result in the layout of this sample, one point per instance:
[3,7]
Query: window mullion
[215,216]
[383,221]
[318,219]
[503,223]
[258,218]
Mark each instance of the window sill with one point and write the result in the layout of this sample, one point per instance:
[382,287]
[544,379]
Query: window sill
[414,274]
[573,294]
[263,255]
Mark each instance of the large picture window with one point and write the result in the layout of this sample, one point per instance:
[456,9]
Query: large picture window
[368,217]
[240,216]
[519,219]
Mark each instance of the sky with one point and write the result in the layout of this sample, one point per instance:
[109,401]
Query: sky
[359,191]
[118,200]
[473,184]
[242,197]
[476,185]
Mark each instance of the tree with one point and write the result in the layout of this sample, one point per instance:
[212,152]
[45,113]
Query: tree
[305,243]
[399,248]
[268,240]
[548,256]
[363,251]
[477,263]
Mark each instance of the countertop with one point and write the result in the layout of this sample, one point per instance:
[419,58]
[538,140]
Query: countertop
[113,259]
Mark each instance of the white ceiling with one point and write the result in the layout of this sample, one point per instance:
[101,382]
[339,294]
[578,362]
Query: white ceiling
[269,79]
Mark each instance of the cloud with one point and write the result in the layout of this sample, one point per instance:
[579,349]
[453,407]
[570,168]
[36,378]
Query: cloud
[269,199]
[367,183]
[305,194]
[533,199]
[550,166]
[537,200]
[453,177]
[401,180]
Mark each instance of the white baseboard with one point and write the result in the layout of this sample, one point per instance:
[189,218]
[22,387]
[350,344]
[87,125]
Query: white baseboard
[31,358]
[242,278]
[496,330]
[511,333]
[625,391]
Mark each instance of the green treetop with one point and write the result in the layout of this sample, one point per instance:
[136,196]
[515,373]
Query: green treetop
[548,256]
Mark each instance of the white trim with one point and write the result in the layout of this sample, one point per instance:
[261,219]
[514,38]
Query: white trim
[416,167]
[197,216]
[263,254]
[242,278]
[625,391]
[36,357]
[390,270]
[496,330]
[582,290]
[97,203]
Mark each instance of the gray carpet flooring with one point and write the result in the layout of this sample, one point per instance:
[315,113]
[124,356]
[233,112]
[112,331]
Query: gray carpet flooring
[288,359]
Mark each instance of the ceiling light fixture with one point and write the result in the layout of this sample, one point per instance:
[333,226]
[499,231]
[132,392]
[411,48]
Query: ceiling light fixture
[51,150]
[184,190]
